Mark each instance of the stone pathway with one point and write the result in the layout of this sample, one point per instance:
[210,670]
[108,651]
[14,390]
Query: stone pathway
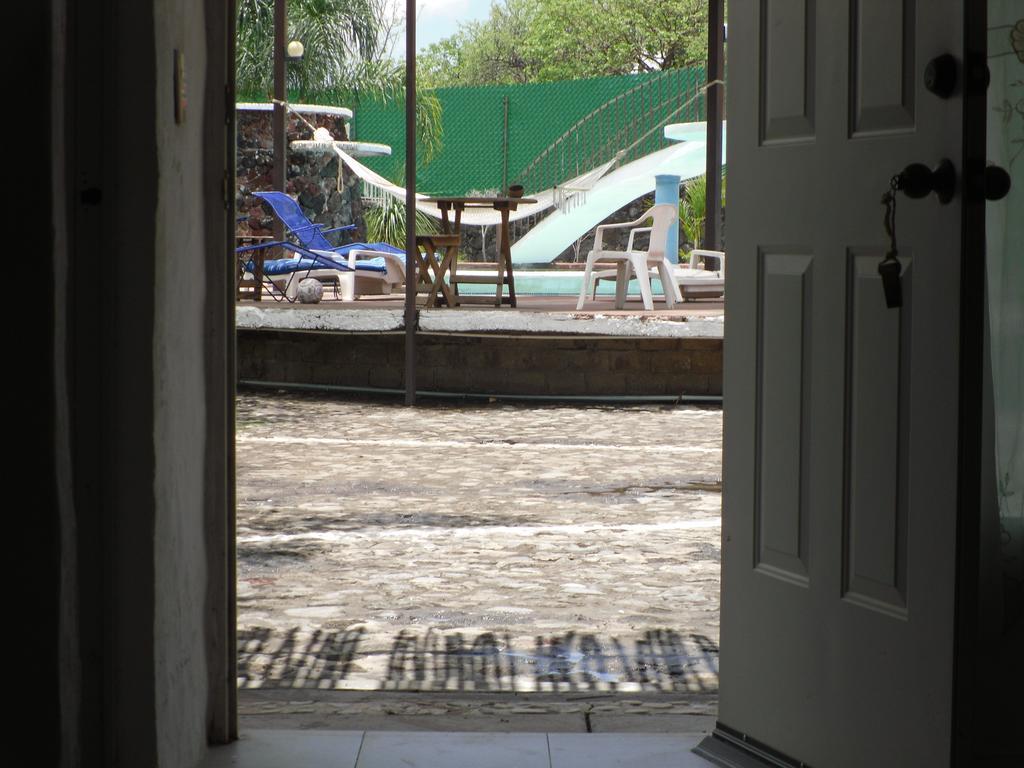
[477,547]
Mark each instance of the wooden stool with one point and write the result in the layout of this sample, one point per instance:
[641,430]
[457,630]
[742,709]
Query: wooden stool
[429,273]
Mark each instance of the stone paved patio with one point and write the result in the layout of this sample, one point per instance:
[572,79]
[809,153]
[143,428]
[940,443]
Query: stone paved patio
[477,548]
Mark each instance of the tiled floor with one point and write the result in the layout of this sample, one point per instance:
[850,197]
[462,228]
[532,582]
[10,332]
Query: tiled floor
[403,749]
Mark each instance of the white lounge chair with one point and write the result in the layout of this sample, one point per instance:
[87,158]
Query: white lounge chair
[697,283]
[356,269]
[361,281]
[633,262]
[694,282]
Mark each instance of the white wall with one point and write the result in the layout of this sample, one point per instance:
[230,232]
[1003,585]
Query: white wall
[179,392]
[142,372]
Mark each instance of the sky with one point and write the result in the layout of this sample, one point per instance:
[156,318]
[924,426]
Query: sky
[437,19]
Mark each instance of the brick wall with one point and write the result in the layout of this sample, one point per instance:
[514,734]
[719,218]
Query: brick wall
[524,365]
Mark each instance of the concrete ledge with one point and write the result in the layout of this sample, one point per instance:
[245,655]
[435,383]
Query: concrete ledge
[524,365]
[575,323]
[313,317]
[318,317]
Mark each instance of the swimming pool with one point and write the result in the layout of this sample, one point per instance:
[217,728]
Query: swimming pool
[547,282]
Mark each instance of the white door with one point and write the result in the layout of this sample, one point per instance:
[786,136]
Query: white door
[840,414]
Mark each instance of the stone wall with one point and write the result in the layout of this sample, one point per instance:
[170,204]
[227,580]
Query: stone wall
[481,364]
[312,177]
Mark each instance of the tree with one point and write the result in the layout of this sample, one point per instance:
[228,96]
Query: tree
[348,58]
[585,38]
[545,40]
[484,53]
[340,37]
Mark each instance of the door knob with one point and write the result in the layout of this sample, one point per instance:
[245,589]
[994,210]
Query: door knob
[940,76]
[918,180]
[996,182]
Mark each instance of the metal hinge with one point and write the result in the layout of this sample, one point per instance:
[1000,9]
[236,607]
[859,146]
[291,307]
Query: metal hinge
[226,191]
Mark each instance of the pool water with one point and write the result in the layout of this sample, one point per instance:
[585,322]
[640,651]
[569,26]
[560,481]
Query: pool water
[548,282]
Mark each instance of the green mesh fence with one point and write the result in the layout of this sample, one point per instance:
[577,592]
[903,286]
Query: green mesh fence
[476,157]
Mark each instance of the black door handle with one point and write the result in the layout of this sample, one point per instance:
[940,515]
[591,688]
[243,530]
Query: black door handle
[918,180]
[940,76]
[987,182]
[996,182]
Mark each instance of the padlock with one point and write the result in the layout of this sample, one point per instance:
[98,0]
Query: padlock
[890,270]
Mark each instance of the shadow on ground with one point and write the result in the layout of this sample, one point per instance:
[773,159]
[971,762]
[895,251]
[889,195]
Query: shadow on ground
[656,660]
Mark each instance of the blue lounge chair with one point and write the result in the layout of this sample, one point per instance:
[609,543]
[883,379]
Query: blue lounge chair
[297,224]
[377,267]
[378,263]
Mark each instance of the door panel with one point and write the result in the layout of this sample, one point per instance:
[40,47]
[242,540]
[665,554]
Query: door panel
[782,532]
[840,455]
[787,71]
[877,385]
[882,66]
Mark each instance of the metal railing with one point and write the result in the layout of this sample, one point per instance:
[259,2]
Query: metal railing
[621,130]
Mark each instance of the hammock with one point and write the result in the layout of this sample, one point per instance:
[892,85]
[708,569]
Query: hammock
[375,185]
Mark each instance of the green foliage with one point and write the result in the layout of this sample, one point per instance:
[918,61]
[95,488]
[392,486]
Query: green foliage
[546,40]
[580,38]
[339,37]
[692,208]
[484,53]
[429,126]
[346,60]
[439,65]
[386,223]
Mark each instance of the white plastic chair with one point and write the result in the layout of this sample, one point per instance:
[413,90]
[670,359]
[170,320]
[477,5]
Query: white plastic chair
[632,262]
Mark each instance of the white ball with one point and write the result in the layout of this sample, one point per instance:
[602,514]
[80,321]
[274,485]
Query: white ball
[311,291]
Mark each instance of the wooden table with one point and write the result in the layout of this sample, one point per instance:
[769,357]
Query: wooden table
[504,276]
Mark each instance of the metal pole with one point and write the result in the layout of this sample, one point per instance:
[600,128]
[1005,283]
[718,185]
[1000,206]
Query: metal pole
[715,108]
[280,114]
[410,202]
[504,148]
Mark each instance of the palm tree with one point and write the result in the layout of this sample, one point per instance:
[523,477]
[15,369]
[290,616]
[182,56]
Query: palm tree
[385,223]
[346,59]
[692,208]
[338,34]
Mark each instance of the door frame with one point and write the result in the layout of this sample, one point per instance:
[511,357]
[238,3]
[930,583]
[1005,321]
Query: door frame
[973,319]
[221,531]
[220,373]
